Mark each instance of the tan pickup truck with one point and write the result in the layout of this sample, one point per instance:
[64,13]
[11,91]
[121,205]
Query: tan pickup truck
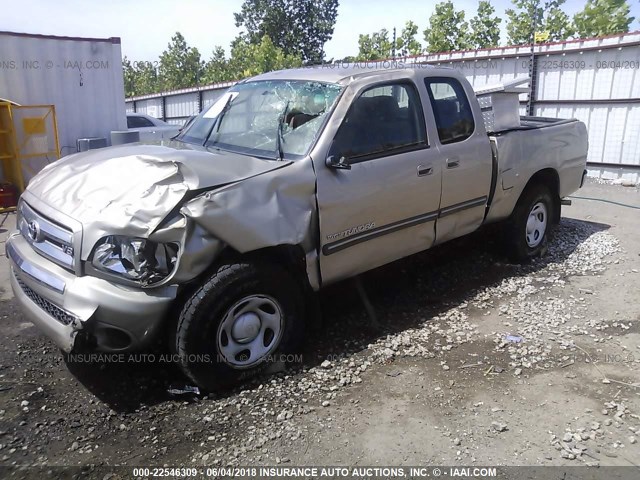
[289,182]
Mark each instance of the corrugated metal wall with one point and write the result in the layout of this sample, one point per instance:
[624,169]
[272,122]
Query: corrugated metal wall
[596,81]
[177,106]
[81,77]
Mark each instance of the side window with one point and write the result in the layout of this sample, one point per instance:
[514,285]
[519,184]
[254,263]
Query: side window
[138,122]
[383,120]
[451,108]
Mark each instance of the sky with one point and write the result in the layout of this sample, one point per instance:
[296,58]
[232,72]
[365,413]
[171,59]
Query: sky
[146,26]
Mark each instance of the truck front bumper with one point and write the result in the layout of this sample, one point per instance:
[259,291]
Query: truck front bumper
[109,317]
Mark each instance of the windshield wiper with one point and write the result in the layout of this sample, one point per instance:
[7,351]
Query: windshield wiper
[218,120]
[280,135]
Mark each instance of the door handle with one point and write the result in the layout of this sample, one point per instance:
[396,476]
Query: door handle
[424,170]
[453,162]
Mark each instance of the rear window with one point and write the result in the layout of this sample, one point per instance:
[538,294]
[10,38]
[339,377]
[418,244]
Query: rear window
[451,109]
[135,121]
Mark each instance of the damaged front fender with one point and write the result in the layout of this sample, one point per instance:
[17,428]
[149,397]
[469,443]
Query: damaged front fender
[272,209]
[198,247]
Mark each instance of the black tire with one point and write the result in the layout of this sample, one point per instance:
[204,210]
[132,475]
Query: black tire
[522,246]
[200,334]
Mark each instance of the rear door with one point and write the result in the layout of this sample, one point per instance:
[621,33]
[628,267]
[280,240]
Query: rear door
[466,150]
[385,206]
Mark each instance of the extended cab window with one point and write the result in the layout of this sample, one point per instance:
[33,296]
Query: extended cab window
[384,120]
[454,118]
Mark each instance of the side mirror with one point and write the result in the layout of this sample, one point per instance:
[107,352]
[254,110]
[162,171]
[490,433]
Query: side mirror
[338,163]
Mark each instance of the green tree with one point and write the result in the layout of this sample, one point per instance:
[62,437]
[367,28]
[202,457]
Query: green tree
[549,17]
[447,30]
[603,17]
[347,59]
[406,43]
[129,75]
[485,27]
[557,22]
[180,65]
[376,46]
[147,80]
[217,68]
[298,27]
[140,78]
[520,23]
[249,59]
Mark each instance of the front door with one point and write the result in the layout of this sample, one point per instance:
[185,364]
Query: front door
[385,206]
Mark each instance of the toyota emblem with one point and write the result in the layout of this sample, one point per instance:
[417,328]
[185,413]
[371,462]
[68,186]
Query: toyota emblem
[33,230]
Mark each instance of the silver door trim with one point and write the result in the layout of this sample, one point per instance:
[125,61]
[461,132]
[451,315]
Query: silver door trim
[458,207]
[339,245]
[335,247]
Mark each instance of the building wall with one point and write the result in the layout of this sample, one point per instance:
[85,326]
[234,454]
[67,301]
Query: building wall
[81,77]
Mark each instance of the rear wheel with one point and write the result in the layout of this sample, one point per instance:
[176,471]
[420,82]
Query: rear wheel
[528,228]
[238,322]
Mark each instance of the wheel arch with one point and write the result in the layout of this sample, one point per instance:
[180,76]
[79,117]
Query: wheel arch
[550,178]
[291,257]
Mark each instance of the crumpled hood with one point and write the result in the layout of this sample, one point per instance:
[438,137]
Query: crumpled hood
[131,188]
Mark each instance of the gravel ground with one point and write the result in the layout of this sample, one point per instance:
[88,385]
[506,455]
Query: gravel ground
[474,360]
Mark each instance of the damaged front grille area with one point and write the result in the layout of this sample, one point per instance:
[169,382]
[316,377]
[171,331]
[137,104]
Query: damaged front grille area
[52,310]
[51,240]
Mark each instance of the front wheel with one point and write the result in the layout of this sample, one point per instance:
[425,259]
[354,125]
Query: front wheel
[239,321]
[528,228]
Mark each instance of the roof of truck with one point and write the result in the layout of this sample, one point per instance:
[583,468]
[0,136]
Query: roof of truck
[336,72]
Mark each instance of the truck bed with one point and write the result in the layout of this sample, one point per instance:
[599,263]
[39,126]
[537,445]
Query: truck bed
[530,123]
[556,144]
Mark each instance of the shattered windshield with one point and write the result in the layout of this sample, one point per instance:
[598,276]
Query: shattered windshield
[273,119]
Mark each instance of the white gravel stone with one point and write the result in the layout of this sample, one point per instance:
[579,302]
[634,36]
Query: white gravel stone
[498,427]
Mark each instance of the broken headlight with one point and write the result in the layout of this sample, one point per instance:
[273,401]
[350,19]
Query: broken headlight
[135,259]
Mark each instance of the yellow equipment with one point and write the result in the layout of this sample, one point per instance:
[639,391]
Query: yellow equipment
[28,142]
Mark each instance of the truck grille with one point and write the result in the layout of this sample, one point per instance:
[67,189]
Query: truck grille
[49,239]
[53,310]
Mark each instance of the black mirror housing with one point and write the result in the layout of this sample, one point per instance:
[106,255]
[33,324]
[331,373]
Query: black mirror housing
[333,161]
